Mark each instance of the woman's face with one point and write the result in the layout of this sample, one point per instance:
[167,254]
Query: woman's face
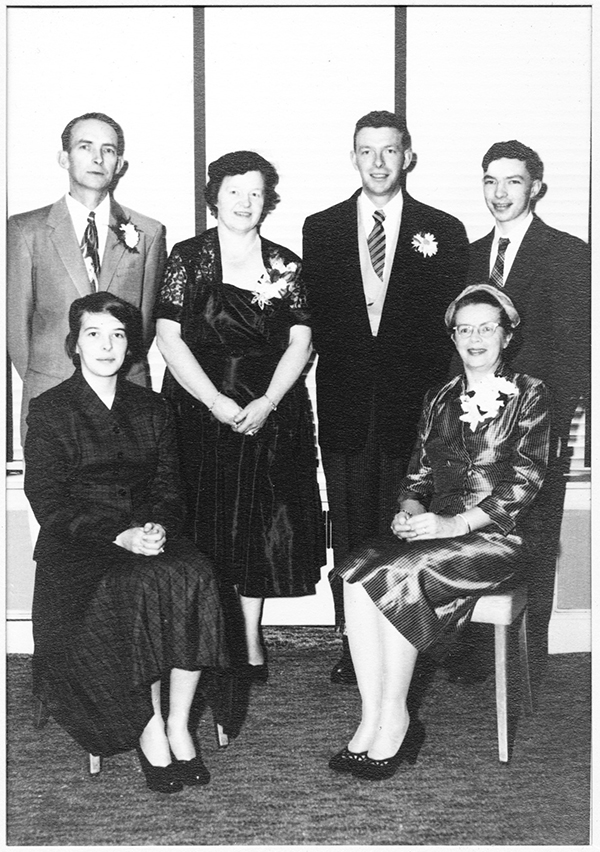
[240,201]
[101,345]
[480,352]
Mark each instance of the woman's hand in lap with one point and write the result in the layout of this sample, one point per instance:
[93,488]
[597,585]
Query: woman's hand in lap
[426,526]
[148,540]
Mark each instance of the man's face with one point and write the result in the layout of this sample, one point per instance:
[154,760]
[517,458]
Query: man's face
[508,189]
[92,159]
[380,157]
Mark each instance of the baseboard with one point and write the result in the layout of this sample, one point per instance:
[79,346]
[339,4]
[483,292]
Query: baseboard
[570,632]
[19,637]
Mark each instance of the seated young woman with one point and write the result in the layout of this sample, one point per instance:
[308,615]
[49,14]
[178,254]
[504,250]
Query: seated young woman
[478,463]
[121,600]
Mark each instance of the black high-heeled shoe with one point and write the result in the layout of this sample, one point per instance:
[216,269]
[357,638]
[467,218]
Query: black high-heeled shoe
[161,779]
[257,674]
[378,770]
[345,759]
[192,772]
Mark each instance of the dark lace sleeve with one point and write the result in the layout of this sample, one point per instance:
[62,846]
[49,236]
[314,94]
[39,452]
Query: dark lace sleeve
[285,264]
[169,302]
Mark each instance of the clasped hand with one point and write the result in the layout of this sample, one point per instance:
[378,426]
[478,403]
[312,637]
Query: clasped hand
[243,421]
[424,526]
[148,540]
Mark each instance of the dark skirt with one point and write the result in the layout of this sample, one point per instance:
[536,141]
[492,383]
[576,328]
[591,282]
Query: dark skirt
[254,504]
[428,589]
[107,628]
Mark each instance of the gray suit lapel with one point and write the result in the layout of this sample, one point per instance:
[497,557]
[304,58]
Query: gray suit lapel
[114,248]
[62,236]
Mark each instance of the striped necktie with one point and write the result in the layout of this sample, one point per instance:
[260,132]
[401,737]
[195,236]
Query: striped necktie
[497,275]
[376,243]
[89,248]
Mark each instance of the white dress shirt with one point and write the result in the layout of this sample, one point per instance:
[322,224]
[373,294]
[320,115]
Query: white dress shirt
[79,216]
[375,288]
[515,236]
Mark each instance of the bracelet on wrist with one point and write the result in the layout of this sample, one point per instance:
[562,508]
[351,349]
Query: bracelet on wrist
[214,401]
[269,400]
[466,523]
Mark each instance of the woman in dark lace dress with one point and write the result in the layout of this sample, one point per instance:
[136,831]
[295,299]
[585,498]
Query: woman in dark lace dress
[233,328]
[122,600]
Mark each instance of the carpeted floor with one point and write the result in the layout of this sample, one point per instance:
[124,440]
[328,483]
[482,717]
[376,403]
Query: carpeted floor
[272,786]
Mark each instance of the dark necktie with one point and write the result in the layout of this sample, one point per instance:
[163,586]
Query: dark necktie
[497,276]
[376,243]
[89,248]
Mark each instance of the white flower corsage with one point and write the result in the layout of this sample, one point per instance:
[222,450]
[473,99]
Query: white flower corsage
[485,400]
[426,244]
[274,284]
[127,233]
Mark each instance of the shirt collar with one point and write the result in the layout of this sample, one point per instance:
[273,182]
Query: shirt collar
[392,210]
[79,212]
[515,235]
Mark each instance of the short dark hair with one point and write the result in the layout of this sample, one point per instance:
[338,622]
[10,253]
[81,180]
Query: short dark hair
[514,150]
[238,163]
[65,136]
[383,118]
[106,303]
[479,297]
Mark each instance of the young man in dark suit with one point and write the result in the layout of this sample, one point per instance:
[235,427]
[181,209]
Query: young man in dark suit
[82,243]
[381,269]
[546,273]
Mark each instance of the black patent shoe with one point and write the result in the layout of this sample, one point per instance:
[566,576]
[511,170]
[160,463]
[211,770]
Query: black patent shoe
[343,671]
[256,674]
[161,779]
[378,770]
[345,759]
[192,772]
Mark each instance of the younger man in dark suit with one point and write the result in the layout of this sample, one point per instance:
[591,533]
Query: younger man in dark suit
[547,275]
[381,269]
[82,243]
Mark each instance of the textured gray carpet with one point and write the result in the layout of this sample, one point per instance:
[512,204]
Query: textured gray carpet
[272,786]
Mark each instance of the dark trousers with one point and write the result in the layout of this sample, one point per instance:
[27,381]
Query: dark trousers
[362,491]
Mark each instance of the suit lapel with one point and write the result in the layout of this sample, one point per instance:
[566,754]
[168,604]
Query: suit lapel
[399,273]
[114,248]
[528,257]
[62,236]
[352,295]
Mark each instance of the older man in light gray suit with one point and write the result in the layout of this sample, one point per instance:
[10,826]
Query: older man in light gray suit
[82,243]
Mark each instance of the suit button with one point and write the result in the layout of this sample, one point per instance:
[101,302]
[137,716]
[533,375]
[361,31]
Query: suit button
[120,454]
[122,492]
[116,430]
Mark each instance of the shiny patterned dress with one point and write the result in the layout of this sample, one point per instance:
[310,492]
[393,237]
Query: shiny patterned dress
[254,501]
[428,589]
[107,623]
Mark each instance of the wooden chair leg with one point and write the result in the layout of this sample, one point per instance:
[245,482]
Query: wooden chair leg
[222,737]
[501,655]
[95,764]
[40,714]
[524,658]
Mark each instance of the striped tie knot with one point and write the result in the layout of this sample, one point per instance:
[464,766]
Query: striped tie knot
[376,243]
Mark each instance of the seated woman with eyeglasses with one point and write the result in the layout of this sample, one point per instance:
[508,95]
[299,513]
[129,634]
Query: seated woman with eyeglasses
[478,463]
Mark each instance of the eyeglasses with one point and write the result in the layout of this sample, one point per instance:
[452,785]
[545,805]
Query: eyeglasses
[488,329]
